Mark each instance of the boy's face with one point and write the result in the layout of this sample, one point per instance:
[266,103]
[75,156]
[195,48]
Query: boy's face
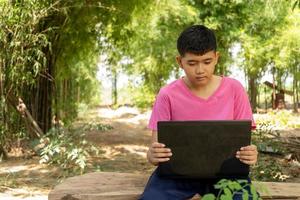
[199,69]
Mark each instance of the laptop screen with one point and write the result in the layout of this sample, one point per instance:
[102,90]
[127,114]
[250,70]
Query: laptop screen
[204,149]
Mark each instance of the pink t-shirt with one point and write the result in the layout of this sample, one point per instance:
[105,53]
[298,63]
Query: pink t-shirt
[175,102]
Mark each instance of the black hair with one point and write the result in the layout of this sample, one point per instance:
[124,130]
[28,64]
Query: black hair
[196,39]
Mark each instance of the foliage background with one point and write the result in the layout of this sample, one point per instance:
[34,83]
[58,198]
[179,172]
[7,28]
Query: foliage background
[49,54]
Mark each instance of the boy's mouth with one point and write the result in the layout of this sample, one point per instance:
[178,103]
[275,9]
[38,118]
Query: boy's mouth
[200,78]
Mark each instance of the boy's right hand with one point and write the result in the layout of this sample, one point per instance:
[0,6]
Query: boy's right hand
[158,153]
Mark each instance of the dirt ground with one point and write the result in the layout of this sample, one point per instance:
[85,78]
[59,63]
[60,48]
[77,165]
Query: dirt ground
[123,150]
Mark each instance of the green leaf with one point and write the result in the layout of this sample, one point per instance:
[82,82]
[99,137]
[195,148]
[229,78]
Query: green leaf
[253,192]
[245,195]
[208,197]
[242,181]
[222,184]
[227,192]
[236,186]
[226,197]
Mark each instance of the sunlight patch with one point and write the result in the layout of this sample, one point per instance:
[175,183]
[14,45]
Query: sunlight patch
[110,113]
[18,168]
[23,193]
[111,152]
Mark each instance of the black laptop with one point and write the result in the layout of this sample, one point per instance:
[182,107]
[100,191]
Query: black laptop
[204,149]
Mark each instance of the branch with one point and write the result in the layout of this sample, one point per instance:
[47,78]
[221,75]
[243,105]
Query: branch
[31,124]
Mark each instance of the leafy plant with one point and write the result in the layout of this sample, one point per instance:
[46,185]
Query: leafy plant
[91,126]
[228,189]
[8,181]
[266,140]
[267,169]
[67,149]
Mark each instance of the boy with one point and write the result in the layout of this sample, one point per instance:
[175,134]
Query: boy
[199,95]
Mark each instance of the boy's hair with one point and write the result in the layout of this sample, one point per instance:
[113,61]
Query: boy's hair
[196,39]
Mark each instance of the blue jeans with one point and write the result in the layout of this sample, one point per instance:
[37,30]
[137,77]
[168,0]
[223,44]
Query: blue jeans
[162,188]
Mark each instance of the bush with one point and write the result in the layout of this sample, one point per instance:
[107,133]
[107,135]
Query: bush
[265,138]
[66,148]
[142,97]
[267,167]
[227,190]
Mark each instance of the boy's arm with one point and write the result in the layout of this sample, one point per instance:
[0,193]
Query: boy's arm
[154,136]
[242,110]
[157,152]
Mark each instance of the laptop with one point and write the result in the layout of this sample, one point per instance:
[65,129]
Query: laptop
[204,149]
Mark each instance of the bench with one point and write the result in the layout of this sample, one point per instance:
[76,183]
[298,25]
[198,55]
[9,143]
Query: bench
[126,186]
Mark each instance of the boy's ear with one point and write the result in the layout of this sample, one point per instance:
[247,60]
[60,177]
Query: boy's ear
[178,59]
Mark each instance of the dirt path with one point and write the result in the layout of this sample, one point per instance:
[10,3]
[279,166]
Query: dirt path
[125,146]
[123,150]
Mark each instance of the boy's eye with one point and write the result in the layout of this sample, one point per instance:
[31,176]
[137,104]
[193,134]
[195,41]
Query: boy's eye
[207,63]
[192,64]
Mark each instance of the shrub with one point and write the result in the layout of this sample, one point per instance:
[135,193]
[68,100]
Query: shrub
[227,190]
[66,148]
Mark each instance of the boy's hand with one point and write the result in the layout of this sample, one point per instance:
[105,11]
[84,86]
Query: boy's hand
[158,153]
[248,154]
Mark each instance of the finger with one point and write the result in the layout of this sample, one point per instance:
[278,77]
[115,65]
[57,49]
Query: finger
[247,153]
[243,157]
[248,162]
[162,155]
[157,145]
[161,150]
[161,159]
[249,148]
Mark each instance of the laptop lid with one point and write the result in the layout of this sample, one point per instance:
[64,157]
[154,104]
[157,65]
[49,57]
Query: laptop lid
[204,149]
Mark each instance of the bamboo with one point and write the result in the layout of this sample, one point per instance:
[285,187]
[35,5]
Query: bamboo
[19,105]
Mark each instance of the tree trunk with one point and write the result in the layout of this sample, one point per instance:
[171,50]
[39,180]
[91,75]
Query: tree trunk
[78,93]
[295,91]
[266,99]
[1,88]
[3,154]
[253,92]
[114,87]
[43,92]
[258,98]
[273,91]
[297,94]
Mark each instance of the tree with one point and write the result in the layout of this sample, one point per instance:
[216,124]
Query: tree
[152,44]
[257,39]
[288,44]
[48,56]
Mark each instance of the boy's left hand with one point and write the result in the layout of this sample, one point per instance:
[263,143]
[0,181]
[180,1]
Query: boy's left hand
[248,154]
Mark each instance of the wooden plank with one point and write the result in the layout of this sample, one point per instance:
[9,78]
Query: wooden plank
[278,190]
[126,186]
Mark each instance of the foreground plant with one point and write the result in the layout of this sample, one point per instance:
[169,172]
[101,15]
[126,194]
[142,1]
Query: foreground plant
[228,189]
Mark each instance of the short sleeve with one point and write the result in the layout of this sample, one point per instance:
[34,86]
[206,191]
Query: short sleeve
[161,110]
[242,107]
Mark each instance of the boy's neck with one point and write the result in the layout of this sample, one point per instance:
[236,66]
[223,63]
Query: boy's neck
[210,84]
[206,90]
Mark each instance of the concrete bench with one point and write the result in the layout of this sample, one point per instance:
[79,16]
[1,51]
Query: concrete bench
[126,186]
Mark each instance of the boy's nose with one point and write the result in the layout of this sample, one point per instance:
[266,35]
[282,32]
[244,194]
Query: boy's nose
[199,69]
